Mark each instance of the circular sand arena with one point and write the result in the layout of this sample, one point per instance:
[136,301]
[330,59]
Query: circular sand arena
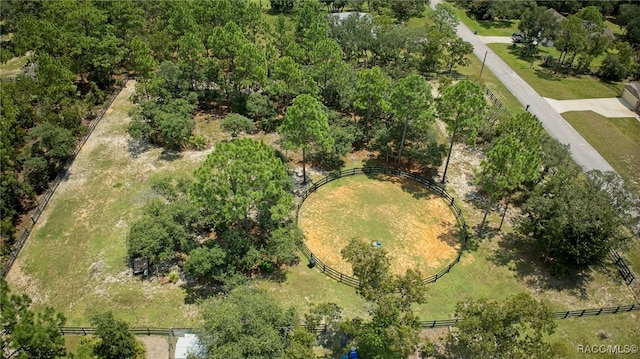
[413,224]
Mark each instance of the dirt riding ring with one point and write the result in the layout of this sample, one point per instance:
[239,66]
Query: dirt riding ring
[415,220]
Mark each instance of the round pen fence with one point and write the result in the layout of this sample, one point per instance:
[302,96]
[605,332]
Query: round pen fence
[353,281]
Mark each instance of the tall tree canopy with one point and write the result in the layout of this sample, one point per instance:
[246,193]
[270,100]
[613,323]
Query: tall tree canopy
[573,222]
[412,104]
[371,96]
[243,181]
[27,333]
[514,158]
[514,328]
[247,323]
[305,126]
[393,329]
[115,339]
[462,108]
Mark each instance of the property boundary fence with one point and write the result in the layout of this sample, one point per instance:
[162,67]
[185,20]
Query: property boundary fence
[494,99]
[323,328]
[352,281]
[627,273]
[436,75]
[17,247]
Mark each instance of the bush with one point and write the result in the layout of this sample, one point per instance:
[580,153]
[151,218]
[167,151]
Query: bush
[282,5]
[197,142]
[173,277]
[236,124]
[36,172]
[613,69]
[261,110]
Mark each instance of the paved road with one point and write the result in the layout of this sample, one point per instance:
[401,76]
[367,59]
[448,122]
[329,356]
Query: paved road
[581,150]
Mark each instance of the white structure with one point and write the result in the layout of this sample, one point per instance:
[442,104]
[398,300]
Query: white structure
[189,344]
[631,94]
[342,16]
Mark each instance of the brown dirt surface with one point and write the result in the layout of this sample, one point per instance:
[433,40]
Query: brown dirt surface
[156,347]
[414,225]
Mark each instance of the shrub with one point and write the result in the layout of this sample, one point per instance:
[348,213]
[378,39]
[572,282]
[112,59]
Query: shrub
[236,123]
[613,69]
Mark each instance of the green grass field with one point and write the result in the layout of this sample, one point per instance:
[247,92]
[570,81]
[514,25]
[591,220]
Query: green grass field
[75,259]
[488,27]
[552,85]
[602,133]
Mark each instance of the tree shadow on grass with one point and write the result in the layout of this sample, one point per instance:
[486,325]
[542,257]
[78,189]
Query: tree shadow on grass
[416,189]
[170,155]
[490,24]
[137,147]
[548,75]
[453,238]
[518,255]
[196,291]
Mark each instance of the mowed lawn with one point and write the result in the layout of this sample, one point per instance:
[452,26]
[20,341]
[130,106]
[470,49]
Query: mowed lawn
[616,139]
[555,86]
[488,27]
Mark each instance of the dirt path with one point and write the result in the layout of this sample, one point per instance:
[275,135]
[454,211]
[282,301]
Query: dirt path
[156,347]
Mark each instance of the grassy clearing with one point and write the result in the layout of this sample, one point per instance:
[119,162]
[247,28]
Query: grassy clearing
[619,329]
[488,27]
[305,286]
[602,132]
[14,66]
[632,256]
[551,85]
[75,259]
[414,225]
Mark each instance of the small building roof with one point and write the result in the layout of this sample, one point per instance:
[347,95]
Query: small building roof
[633,88]
[341,16]
[559,17]
[189,344]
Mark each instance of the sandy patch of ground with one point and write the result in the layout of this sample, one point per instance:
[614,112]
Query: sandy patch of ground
[418,233]
[18,278]
[157,347]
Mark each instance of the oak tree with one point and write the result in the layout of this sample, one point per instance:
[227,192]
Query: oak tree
[514,328]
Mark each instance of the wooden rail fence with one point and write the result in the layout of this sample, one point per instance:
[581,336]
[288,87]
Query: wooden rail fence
[323,328]
[352,281]
[19,244]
